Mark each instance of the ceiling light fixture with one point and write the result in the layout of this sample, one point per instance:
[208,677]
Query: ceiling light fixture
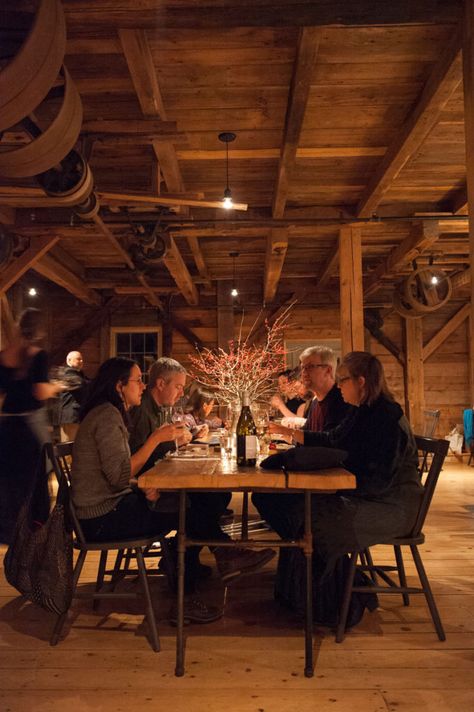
[32,292]
[234,291]
[434,278]
[227,137]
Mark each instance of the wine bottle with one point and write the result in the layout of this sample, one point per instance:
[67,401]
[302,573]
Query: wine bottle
[246,436]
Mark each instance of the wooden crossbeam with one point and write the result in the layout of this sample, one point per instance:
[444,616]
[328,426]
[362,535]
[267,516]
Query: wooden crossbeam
[140,64]
[180,273]
[461,279]
[134,127]
[446,331]
[277,245]
[443,81]
[195,248]
[38,248]
[58,273]
[329,267]
[422,236]
[308,44]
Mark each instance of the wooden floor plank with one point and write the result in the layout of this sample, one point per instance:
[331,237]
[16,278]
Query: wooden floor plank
[251,660]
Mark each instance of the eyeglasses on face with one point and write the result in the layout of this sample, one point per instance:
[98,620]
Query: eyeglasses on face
[310,366]
[137,380]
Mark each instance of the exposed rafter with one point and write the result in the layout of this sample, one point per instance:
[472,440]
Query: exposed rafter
[443,81]
[308,44]
[446,331]
[277,245]
[53,270]
[422,236]
[180,273]
[38,248]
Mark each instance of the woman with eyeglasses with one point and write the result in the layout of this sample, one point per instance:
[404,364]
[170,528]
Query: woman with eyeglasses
[382,453]
[103,467]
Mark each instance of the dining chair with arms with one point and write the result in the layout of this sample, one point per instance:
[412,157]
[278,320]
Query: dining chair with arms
[60,456]
[438,450]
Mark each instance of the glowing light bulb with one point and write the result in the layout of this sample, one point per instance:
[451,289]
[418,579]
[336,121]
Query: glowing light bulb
[434,279]
[234,292]
[32,292]
[227,200]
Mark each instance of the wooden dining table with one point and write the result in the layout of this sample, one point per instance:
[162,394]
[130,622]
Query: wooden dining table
[212,474]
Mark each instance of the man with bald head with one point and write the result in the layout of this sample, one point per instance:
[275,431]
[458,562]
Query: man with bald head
[72,398]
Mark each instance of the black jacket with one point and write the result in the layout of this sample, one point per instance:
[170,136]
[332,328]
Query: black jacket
[70,401]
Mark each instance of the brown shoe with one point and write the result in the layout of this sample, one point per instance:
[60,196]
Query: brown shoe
[195,611]
[233,563]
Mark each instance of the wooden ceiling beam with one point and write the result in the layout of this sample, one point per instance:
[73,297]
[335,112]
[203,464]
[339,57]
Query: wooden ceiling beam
[180,273]
[277,245]
[195,248]
[140,65]
[37,249]
[303,72]
[422,236]
[443,81]
[329,267]
[53,270]
[258,154]
[461,279]
[304,13]
[446,331]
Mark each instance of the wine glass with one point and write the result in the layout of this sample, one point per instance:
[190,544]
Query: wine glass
[177,416]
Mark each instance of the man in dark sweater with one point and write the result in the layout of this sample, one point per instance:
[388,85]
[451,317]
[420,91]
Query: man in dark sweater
[71,399]
[318,368]
[166,381]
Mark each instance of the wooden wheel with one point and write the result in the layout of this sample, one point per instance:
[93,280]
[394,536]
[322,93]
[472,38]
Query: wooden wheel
[427,289]
[53,144]
[25,82]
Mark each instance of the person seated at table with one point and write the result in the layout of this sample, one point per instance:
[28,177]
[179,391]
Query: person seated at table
[166,381]
[382,453]
[198,416]
[290,400]
[107,504]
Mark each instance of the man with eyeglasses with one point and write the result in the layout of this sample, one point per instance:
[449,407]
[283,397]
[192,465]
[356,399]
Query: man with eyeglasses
[166,381]
[328,409]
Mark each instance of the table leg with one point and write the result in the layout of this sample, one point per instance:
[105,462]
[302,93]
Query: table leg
[308,551]
[179,670]
[245,517]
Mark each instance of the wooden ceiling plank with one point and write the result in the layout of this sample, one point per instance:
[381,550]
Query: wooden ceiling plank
[134,127]
[180,273]
[58,273]
[308,45]
[140,64]
[442,83]
[38,248]
[422,236]
[446,331]
[277,246]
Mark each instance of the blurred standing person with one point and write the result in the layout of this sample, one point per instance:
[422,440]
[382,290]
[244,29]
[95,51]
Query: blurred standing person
[72,398]
[23,423]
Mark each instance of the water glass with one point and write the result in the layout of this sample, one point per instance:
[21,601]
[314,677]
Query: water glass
[226,441]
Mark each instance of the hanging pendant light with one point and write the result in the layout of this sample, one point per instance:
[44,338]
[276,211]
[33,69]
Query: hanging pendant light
[227,137]
[234,292]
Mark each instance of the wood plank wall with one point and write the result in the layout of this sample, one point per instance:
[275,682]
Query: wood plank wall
[446,370]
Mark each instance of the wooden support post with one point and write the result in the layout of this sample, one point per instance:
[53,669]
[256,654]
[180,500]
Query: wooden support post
[414,373]
[350,284]
[468,79]
[225,314]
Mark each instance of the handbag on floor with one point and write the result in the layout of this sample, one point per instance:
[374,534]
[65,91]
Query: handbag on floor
[39,560]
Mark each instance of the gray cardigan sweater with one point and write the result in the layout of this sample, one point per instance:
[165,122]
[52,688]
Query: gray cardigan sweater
[101,469]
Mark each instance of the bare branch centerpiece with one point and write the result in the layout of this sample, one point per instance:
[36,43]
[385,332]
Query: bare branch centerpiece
[246,367]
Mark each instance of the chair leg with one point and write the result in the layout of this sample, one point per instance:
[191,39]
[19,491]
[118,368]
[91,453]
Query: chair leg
[150,613]
[401,573]
[341,627]
[370,565]
[115,573]
[100,578]
[170,564]
[428,593]
[62,618]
